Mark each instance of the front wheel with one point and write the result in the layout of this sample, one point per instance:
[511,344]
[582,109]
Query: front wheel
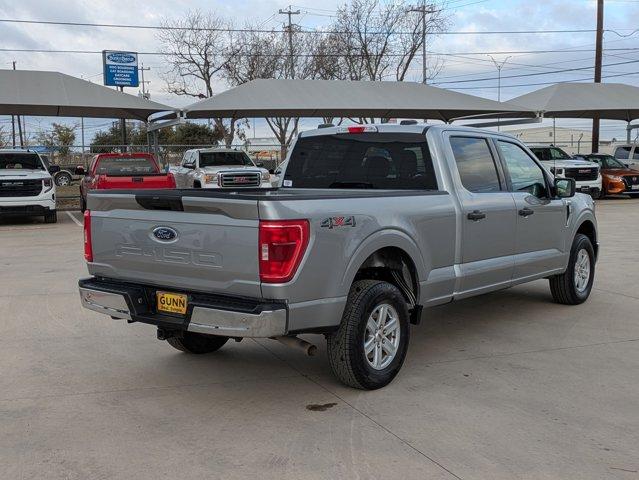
[63,179]
[574,285]
[369,348]
[51,217]
[197,343]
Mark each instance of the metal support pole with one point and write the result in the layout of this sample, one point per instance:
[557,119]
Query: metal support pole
[123,129]
[598,56]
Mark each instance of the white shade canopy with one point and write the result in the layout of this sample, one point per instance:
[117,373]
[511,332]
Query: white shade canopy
[337,98]
[30,92]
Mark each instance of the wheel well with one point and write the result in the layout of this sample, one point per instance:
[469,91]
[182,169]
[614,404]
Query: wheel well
[588,229]
[393,265]
[197,184]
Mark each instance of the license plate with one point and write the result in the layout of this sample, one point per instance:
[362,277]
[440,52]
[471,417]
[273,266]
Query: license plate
[635,187]
[172,302]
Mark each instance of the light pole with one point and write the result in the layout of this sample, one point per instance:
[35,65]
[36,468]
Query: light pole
[499,66]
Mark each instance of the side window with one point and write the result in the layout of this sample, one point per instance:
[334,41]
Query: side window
[622,153]
[635,154]
[475,164]
[541,153]
[525,175]
[189,158]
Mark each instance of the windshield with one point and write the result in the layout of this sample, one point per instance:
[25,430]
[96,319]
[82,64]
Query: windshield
[224,159]
[607,161]
[369,160]
[20,161]
[124,166]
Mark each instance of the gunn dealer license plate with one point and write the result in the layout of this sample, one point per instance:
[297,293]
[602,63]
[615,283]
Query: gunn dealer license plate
[172,302]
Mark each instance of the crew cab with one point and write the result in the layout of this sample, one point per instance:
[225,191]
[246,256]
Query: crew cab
[108,171]
[219,168]
[587,174]
[26,186]
[372,224]
[628,154]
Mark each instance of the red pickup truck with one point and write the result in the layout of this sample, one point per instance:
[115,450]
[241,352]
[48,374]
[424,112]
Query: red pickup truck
[132,171]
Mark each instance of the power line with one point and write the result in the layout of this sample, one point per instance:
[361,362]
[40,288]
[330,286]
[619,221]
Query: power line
[253,30]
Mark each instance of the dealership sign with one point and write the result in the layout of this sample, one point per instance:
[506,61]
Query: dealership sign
[120,68]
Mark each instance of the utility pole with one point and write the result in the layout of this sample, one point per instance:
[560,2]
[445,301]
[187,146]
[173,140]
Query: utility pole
[13,128]
[424,10]
[144,82]
[598,55]
[289,28]
[499,66]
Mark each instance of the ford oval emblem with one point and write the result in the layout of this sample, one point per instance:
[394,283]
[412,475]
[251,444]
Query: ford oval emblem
[165,234]
[121,57]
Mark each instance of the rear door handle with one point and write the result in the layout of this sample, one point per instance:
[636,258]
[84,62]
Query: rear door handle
[476,215]
[526,212]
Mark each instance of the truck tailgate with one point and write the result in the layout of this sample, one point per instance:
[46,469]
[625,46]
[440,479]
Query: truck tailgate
[148,181]
[176,241]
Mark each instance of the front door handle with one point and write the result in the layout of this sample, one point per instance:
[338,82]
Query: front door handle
[526,212]
[476,215]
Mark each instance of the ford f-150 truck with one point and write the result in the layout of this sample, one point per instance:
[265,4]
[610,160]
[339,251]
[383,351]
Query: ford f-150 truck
[371,225]
[26,185]
[111,171]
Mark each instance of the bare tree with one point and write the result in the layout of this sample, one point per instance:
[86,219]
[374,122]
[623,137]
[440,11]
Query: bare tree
[4,138]
[197,49]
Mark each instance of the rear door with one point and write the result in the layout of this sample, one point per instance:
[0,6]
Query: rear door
[206,244]
[488,216]
[541,219]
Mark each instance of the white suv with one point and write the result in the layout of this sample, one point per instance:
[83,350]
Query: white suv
[26,186]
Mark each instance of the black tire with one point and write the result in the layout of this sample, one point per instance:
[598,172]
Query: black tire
[602,193]
[197,343]
[346,345]
[83,204]
[51,217]
[563,287]
[197,184]
[63,179]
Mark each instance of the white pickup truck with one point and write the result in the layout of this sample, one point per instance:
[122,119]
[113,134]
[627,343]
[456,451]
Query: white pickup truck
[26,186]
[219,168]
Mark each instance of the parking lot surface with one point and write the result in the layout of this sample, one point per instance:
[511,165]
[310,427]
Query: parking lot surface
[508,385]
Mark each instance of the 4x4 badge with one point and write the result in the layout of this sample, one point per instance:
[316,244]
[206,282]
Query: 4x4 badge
[334,222]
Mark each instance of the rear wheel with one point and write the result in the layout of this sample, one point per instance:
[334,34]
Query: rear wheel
[51,217]
[83,204]
[63,179]
[574,285]
[197,343]
[197,184]
[369,348]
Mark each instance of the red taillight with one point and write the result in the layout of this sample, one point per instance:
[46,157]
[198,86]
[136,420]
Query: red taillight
[282,244]
[88,247]
[171,180]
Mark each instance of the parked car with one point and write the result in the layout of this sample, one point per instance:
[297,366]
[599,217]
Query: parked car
[108,171]
[277,174]
[617,176]
[562,165]
[372,224]
[26,185]
[219,168]
[628,154]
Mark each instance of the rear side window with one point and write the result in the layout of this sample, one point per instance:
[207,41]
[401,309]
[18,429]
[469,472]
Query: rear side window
[367,160]
[125,166]
[622,152]
[475,164]
[635,154]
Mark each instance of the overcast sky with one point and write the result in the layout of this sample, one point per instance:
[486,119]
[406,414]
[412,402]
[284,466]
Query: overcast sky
[466,15]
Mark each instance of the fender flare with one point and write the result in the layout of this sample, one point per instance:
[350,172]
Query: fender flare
[384,239]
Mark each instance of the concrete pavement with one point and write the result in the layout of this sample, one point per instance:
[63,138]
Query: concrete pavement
[508,385]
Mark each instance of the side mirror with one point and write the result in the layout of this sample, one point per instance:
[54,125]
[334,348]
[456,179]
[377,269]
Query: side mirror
[627,165]
[79,170]
[54,169]
[565,187]
[271,171]
[190,166]
[259,164]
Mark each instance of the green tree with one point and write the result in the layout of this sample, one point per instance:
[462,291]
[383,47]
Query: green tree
[191,133]
[59,138]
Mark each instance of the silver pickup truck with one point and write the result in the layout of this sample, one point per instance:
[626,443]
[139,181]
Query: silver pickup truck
[372,224]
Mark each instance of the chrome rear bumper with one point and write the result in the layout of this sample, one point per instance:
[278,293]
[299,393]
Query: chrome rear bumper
[263,321]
